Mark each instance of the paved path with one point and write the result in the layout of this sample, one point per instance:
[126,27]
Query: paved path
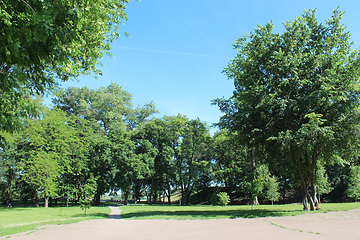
[115,212]
[319,226]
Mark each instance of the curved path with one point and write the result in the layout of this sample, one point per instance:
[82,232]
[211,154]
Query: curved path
[319,226]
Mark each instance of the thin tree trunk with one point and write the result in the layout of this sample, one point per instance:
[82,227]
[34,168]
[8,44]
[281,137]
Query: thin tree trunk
[314,197]
[36,198]
[46,205]
[169,199]
[305,199]
[126,197]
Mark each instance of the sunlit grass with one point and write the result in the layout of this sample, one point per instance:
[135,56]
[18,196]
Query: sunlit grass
[16,220]
[217,212]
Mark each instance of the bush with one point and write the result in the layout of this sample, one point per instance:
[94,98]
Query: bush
[223,199]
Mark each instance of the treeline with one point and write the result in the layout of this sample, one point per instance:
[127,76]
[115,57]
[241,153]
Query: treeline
[94,142]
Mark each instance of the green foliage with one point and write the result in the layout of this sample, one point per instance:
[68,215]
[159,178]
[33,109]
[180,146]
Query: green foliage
[353,190]
[217,212]
[45,41]
[45,148]
[296,95]
[230,161]
[323,186]
[223,199]
[272,192]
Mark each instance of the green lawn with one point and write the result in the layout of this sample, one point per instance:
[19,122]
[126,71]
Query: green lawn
[217,212]
[21,219]
[18,219]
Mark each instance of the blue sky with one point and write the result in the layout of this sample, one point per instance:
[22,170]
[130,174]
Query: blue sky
[177,49]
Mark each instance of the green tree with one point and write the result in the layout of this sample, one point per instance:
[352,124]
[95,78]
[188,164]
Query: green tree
[44,41]
[323,185]
[194,157]
[272,189]
[9,175]
[296,95]
[230,161]
[162,178]
[224,199]
[108,109]
[353,190]
[45,146]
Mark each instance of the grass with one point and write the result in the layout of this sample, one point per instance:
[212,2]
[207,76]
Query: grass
[22,219]
[216,212]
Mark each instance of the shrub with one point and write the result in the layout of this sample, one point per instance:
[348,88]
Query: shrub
[223,199]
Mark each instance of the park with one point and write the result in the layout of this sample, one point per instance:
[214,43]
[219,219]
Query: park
[177,222]
[84,162]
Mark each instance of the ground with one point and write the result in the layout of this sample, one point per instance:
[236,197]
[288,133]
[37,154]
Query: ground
[331,225]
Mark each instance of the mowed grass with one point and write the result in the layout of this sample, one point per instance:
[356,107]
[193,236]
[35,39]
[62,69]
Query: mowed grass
[18,219]
[204,212]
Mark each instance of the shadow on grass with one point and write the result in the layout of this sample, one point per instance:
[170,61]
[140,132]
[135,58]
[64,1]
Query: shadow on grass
[97,215]
[256,213]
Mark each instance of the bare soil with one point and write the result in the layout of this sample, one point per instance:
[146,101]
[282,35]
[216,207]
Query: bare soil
[332,225]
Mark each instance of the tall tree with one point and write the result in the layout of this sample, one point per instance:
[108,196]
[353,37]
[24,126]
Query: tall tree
[353,190]
[296,95]
[194,157]
[110,108]
[230,161]
[45,146]
[44,41]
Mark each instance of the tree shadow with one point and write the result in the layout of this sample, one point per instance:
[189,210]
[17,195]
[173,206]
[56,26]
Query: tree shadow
[100,215]
[208,214]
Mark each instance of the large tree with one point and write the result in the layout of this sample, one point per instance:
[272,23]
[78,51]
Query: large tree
[46,147]
[296,95]
[110,111]
[45,40]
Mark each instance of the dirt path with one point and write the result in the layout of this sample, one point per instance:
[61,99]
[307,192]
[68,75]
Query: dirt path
[320,226]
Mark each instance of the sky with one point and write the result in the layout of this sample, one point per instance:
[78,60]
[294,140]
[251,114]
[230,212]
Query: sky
[177,49]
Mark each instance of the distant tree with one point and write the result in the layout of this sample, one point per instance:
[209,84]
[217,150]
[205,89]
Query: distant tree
[45,41]
[45,146]
[272,189]
[230,158]
[353,190]
[194,157]
[323,186]
[296,95]
[109,109]
[9,175]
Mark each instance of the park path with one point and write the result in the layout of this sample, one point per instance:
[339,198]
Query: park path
[115,212]
[319,226]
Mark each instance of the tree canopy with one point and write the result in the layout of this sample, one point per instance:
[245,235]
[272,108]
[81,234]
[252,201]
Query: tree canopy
[296,94]
[49,40]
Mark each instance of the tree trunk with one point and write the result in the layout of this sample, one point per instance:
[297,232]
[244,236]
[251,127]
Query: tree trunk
[36,198]
[126,197]
[97,198]
[315,198]
[46,205]
[305,200]
[169,199]
[184,198]
[255,201]
[311,201]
